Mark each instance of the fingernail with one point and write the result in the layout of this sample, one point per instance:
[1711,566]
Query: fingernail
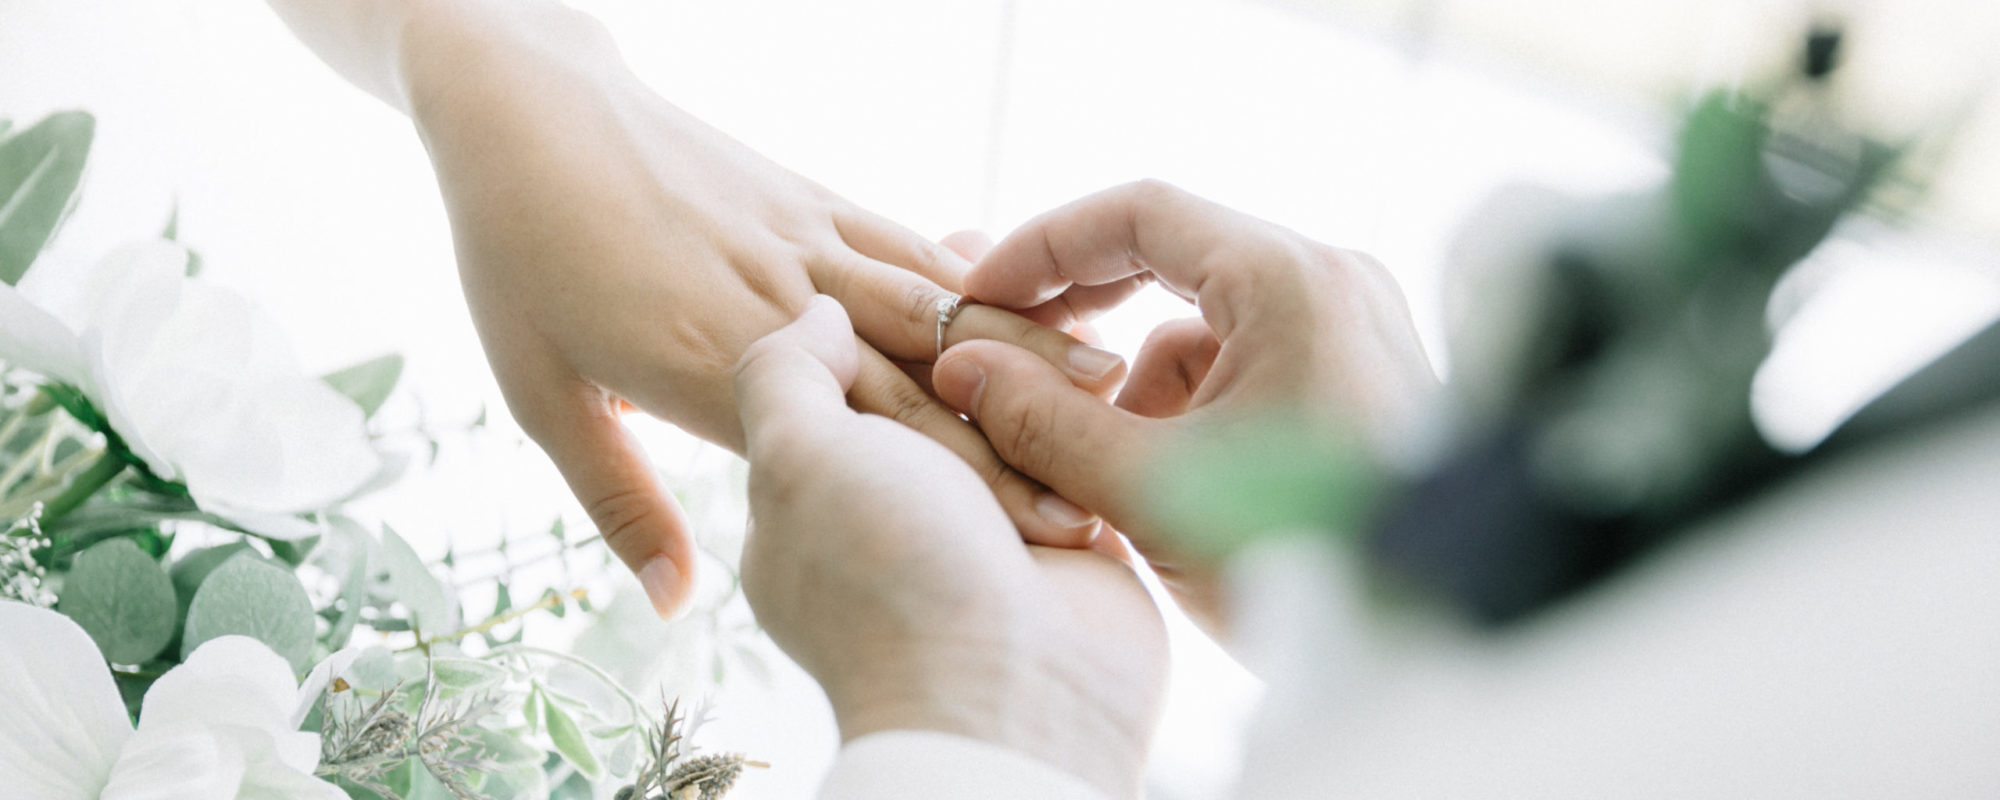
[661,579]
[1093,362]
[954,373]
[1062,513]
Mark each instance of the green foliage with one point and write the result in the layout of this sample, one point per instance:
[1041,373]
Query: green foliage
[568,739]
[355,544]
[1226,491]
[249,597]
[414,585]
[370,382]
[466,674]
[41,169]
[193,568]
[172,233]
[122,598]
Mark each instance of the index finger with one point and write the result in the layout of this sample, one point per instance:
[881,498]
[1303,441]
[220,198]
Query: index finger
[1222,259]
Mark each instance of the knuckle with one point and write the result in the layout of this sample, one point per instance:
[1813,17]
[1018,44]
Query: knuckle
[1154,190]
[622,516]
[907,404]
[1029,437]
[930,257]
[920,301]
[993,471]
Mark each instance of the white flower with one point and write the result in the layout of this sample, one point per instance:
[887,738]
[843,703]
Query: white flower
[201,385]
[223,725]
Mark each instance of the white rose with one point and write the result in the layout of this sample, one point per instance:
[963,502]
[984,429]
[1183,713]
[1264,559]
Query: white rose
[222,726]
[200,384]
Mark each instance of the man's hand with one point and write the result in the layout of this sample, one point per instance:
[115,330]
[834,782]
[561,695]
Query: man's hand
[615,249]
[882,564]
[1289,327]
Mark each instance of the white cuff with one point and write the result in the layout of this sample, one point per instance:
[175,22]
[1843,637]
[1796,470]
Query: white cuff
[923,765]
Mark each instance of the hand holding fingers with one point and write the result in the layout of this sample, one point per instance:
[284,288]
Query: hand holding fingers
[896,312]
[1043,517]
[1226,261]
[1170,369]
[796,379]
[1047,428]
[1299,323]
[882,565]
[1101,456]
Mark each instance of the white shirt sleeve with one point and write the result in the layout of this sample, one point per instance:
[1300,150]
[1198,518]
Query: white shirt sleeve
[922,765]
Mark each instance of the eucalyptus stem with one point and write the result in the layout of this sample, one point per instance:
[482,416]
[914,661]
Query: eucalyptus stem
[13,424]
[548,602]
[53,478]
[29,458]
[638,711]
[107,467]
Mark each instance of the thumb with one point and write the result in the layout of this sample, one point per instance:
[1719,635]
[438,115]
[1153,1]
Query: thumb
[608,472]
[794,381]
[1047,428]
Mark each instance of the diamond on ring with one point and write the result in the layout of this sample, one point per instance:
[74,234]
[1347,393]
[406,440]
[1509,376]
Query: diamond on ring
[947,307]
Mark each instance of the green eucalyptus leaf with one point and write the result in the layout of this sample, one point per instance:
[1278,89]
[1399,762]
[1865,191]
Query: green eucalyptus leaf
[569,740]
[249,597]
[577,787]
[373,670]
[414,585]
[531,709]
[193,568]
[122,598]
[369,383]
[355,544]
[295,551]
[624,756]
[501,747]
[517,782]
[466,674]
[40,171]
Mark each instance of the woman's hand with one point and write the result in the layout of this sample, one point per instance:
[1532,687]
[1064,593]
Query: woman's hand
[882,565]
[1289,327]
[614,248]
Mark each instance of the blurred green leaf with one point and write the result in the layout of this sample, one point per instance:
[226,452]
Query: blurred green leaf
[122,598]
[465,674]
[246,596]
[370,382]
[1223,492]
[531,709]
[295,551]
[41,169]
[502,748]
[415,587]
[423,786]
[193,568]
[577,787]
[569,740]
[354,587]
[517,781]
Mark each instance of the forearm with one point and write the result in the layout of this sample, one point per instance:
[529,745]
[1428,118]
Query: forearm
[411,52]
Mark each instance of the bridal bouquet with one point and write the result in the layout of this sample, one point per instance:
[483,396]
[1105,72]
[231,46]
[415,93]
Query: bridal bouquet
[143,410]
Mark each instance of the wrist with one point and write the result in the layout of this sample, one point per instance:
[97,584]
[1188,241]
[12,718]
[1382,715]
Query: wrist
[448,48]
[1001,695]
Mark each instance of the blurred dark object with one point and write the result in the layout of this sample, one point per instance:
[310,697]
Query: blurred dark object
[1614,408]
